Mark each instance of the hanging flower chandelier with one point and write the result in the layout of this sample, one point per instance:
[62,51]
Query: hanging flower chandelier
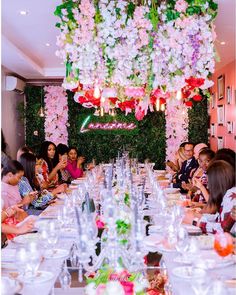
[133,55]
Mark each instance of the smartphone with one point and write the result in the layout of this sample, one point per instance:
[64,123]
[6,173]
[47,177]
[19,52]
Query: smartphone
[64,158]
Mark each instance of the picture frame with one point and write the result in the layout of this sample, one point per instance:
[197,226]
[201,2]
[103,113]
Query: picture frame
[220,115]
[212,130]
[221,87]
[229,95]
[213,100]
[220,142]
[230,127]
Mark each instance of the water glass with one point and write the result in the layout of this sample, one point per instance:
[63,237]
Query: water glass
[65,277]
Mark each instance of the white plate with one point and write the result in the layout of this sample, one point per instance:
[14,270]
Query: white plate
[191,228]
[9,286]
[211,260]
[183,260]
[8,255]
[162,249]
[170,190]
[205,242]
[188,272]
[153,240]
[41,276]
[27,238]
[57,253]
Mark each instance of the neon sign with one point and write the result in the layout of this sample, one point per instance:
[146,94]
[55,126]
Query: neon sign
[114,125]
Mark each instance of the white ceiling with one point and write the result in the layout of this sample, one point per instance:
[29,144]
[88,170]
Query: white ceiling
[24,37]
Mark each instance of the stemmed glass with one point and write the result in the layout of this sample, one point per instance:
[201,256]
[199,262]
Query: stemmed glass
[65,277]
[21,259]
[34,259]
[223,244]
[182,243]
[52,236]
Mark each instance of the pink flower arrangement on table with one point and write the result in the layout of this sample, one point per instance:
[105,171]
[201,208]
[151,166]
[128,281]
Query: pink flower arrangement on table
[123,45]
[106,281]
[56,114]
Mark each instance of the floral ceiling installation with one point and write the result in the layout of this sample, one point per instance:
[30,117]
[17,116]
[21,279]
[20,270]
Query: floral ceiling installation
[56,114]
[132,54]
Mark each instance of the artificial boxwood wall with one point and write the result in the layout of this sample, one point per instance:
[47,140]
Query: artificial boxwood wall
[147,142]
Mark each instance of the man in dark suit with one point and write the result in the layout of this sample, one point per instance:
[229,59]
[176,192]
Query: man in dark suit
[187,168]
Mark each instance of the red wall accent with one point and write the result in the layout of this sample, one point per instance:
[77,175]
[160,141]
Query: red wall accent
[229,140]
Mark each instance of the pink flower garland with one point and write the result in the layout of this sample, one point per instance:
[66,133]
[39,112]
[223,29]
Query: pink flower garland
[56,115]
[176,126]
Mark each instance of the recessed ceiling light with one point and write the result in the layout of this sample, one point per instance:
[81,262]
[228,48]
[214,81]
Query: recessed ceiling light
[222,43]
[47,44]
[24,12]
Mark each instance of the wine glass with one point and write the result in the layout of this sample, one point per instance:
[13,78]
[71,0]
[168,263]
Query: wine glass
[223,244]
[182,243]
[21,259]
[34,259]
[52,236]
[65,277]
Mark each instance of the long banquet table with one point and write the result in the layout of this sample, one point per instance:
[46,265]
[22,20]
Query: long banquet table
[180,286]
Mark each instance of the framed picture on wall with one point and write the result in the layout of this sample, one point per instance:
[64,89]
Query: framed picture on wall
[229,95]
[230,127]
[220,142]
[212,130]
[213,100]
[221,87]
[220,115]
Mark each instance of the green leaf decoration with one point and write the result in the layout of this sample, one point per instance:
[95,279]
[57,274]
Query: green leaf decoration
[153,16]
[130,10]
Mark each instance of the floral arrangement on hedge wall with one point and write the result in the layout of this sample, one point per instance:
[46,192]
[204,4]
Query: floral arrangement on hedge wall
[132,54]
[56,114]
[176,127]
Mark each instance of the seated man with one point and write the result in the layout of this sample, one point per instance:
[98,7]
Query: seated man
[187,168]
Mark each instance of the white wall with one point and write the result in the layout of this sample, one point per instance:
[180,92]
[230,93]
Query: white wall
[12,128]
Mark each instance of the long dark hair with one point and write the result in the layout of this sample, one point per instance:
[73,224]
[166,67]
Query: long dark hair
[3,143]
[13,166]
[227,155]
[44,154]
[28,161]
[221,177]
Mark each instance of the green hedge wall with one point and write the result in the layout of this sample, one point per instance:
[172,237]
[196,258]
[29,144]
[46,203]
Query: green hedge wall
[147,142]
[198,122]
[34,124]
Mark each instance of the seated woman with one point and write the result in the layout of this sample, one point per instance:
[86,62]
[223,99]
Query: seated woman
[198,148]
[29,184]
[74,163]
[22,150]
[48,173]
[221,184]
[9,221]
[197,188]
[62,151]
[11,175]
[178,161]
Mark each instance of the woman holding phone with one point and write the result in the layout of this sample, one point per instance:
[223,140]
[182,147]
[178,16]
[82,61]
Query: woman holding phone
[29,184]
[48,172]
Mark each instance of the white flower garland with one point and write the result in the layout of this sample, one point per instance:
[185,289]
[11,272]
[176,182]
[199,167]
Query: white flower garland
[56,115]
[176,126]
